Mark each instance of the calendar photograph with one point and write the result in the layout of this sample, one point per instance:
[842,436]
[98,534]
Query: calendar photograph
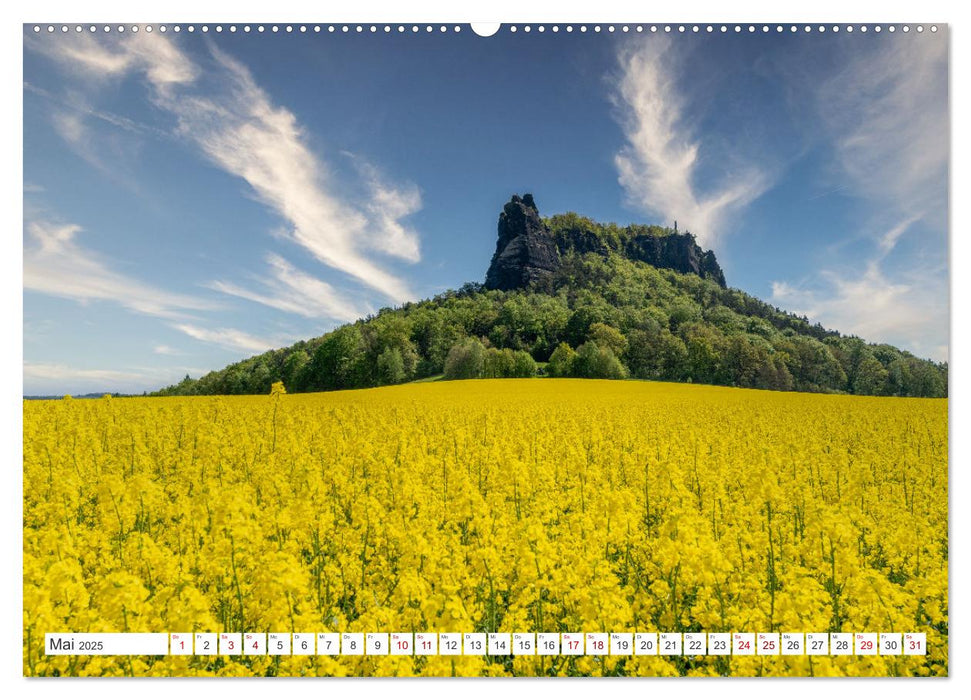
[539,350]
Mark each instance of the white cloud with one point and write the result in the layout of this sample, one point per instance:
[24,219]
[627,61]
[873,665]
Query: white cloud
[78,102]
[70,128]
[236,125]
[245,134]
[165,350]
[658,164]
[163,64]
[888,240]
[388,204]
[113,151]
[885,116]
[56,264]
[76,133]
[230,338]
[908,310]
[294,291]
[42,371]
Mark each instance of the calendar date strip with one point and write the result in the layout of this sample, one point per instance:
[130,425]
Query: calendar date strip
[487,644]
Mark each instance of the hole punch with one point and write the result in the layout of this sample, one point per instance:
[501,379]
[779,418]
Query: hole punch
[485,29]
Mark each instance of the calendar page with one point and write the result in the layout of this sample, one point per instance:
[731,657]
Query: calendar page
[452,350]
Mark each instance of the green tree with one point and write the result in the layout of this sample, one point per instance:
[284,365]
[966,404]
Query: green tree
[869,377]
[643,356]
[682,312]
[813,365]
[578,327]
[434,332]
[295,368]
[926,379]
[466,360]
[391,366]
[706,349]
[561,361]
[335,363]
[608,337]
[390,332]
[674,356]
[774,373]
[498,363]
[523,364]
[743,360]
[594,362]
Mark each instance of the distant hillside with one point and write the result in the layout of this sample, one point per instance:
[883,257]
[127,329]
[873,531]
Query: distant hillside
[567,296]
[92,395]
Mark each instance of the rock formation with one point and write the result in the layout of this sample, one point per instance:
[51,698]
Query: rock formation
[526,251]
[675,251]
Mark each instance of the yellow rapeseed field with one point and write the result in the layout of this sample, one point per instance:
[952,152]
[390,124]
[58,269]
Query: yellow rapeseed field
[490,505]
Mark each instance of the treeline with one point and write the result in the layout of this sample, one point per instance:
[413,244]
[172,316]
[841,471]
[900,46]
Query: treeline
[598,317]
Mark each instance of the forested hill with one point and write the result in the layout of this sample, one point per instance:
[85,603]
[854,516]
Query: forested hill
[567,296]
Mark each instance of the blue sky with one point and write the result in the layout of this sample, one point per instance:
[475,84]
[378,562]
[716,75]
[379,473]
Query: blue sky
[190,199]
